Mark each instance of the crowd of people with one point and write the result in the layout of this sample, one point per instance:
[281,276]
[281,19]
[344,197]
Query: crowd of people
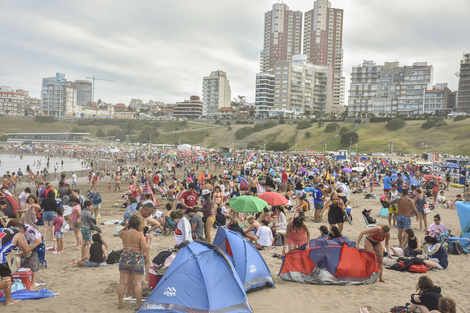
[195,188]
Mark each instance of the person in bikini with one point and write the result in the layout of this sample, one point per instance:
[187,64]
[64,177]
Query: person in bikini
[373,243]
[132,261]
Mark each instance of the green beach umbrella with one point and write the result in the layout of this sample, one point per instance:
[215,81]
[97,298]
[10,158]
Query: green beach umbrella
[247,204]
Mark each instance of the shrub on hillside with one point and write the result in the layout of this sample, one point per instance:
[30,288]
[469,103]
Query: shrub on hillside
[460,118]
[277,146]
[349,138]
[429,124]
[304,125]
[243,132]
[332,127]
[320,123]
[395,124]
[357,121]
[44,119]
[263,126]
[343,130]
[441,123]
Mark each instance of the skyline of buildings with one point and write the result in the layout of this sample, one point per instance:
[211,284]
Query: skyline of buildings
[318,35]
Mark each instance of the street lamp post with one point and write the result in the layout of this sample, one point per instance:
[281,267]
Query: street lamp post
[426,149]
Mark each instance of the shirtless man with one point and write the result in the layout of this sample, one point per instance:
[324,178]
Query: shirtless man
[117,182]
[404,208]
[251,231]
[253,185]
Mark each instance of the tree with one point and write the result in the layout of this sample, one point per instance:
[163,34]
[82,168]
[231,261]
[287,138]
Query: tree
[395,123]
[129,126]
[99,101]
[148,134]
[460,118]
[349,138]
[320,123]
[238,101]
[308,135]
[100,133]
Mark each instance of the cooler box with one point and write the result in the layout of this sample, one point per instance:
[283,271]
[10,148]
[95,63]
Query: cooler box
[25,275]
[154,276]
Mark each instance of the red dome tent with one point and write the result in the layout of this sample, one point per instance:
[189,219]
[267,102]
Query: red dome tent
[330,262]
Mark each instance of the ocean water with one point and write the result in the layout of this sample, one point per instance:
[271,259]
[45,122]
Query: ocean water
[12,162]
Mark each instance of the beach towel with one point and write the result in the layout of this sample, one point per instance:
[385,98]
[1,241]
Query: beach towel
[28,294]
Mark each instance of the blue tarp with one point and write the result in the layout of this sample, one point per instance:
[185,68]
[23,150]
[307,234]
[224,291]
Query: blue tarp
[200,279]
[250,265]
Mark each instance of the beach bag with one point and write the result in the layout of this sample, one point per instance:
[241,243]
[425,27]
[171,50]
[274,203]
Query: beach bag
[17,285]
[65,226]
[163,260]
[114,257]
[426,209]
[279,240]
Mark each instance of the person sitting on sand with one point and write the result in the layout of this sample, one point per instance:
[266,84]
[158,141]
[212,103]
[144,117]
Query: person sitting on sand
[446,305]
[264,234]
[12,237]
[373,243]
[183,227]
[323,233]
[253,228]
[412,244]
[132,261]
[427,296]
[98,254]
[437,228]
[334,233]
[297,234]
[434,253]
[235,226]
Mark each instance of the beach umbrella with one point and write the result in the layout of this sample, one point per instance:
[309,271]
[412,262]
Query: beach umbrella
[247,204]
[347,170]
[358,169]
[273,198]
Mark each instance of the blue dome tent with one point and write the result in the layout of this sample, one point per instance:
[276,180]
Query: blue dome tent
[249,264]
[200,279]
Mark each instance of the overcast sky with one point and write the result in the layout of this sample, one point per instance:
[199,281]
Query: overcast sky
[161,50]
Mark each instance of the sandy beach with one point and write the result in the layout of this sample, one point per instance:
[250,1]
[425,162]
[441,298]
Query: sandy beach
[84,289]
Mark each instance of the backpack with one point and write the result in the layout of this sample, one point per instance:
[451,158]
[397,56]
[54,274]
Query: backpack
[456,248]
[279,240]
[114,257]
[96,198]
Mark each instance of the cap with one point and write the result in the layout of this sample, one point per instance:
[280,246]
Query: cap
[206,192]
[367,210]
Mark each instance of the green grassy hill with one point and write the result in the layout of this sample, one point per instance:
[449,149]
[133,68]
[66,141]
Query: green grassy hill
[373,137]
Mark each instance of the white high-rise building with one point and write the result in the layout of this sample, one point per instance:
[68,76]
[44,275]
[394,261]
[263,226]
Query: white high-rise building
[84,92]
[323,45]
[216,93]
[59,96]
[282,35]
[300,87]
[389,89]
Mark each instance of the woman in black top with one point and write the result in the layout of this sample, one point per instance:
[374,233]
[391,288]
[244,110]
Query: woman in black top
[49,209]
[427,298]
[235,226]
[335,214]
[98,253]
[412,244]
